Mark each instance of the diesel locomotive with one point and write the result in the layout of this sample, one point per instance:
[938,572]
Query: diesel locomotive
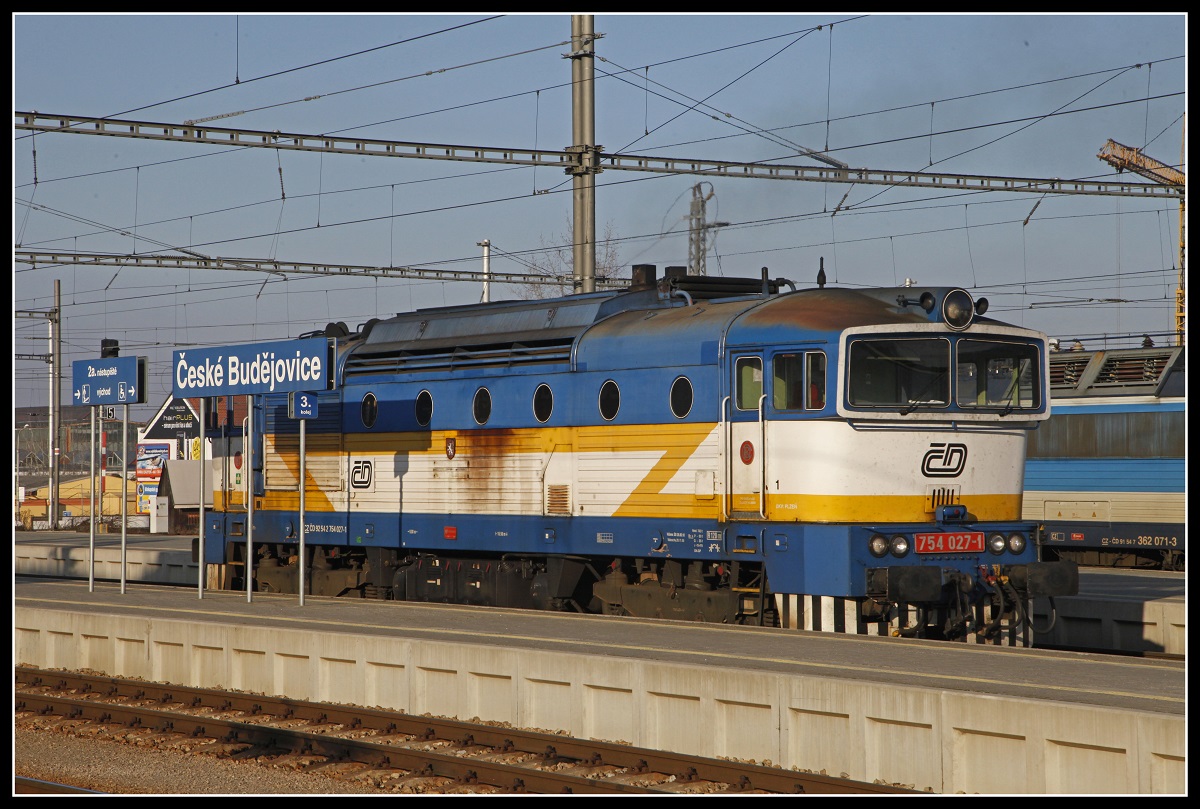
[733,450]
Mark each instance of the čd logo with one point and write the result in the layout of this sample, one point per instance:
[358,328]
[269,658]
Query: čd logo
[944,460]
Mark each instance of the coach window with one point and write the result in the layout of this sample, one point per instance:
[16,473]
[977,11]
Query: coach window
[749,382]
[610,400]
[543,403]
[423,408]
[815,361]
[368,411]
[681,397]
[481,408]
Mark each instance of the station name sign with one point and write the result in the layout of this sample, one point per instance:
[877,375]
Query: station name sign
[291,365]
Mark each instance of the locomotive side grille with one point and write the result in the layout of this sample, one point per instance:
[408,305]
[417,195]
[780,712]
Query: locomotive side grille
[1121,371]
[1105,372]
[1066,374]
[558,499]
[492,356]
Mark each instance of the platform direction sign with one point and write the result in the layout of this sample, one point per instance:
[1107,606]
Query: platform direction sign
[109,381]
[279,367]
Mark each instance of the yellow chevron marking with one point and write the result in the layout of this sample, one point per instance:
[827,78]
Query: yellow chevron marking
[315,498]
[645,499]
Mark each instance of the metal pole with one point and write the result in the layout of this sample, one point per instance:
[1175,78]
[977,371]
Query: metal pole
[583,195]
[103,459]
[92,505]
[200,522]
[19,498]
[248,432]
[52,410]
[302,556]
[124,490]
[486,244]
[589,133]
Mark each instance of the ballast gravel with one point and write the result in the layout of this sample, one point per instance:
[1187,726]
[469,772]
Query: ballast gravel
[112,767]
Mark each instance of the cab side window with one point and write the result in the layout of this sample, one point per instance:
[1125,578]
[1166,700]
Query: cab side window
[787,381]
[749,382]
[815,373]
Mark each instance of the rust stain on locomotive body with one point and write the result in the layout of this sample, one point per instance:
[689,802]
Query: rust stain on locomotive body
[828,310]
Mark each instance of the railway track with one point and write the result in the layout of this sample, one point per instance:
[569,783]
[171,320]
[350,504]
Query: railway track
[402,753]
[34,786]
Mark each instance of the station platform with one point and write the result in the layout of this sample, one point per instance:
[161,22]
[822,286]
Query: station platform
[941,717]
[1129,611]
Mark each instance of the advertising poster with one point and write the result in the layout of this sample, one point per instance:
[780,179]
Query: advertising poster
[151,460]
[146,492]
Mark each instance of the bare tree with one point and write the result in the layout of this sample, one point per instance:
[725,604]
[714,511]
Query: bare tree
[556,261]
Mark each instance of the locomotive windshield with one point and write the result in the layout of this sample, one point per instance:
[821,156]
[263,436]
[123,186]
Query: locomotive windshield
[899,373]
[915,373]
[997,374]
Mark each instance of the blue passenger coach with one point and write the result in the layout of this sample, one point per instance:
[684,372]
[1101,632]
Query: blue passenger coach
[1106,475]
[697,448]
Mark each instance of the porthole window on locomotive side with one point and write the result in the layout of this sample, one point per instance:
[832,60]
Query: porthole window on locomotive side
[610,400]
[681,397]
[368,411]
[481,407]
[543,403]
[423,408]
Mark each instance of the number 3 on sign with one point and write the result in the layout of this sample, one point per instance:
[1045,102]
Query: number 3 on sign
[302,405]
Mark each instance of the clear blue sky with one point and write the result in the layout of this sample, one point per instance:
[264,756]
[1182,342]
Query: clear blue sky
[1008,95]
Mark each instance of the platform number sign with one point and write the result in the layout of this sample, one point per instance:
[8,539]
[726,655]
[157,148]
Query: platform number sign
[302,405]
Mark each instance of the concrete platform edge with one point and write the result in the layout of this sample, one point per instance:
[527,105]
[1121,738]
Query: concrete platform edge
[938,741]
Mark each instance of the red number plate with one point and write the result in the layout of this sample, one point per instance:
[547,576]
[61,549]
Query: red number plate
[967,542]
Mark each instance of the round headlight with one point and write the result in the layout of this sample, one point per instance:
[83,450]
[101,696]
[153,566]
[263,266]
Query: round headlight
[1016,543]
[878,545]
[900,545]
[997,544]
[958,309]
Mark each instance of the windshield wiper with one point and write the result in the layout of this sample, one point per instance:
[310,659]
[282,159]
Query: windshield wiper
[919,399]
[913,404]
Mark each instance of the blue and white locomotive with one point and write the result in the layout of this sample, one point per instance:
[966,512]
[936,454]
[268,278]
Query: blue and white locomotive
[697,448]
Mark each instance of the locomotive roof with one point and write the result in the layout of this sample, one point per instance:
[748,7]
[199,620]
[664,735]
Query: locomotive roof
[511,321]
[826,309]
[554,320]
[690,335]
[688,316]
